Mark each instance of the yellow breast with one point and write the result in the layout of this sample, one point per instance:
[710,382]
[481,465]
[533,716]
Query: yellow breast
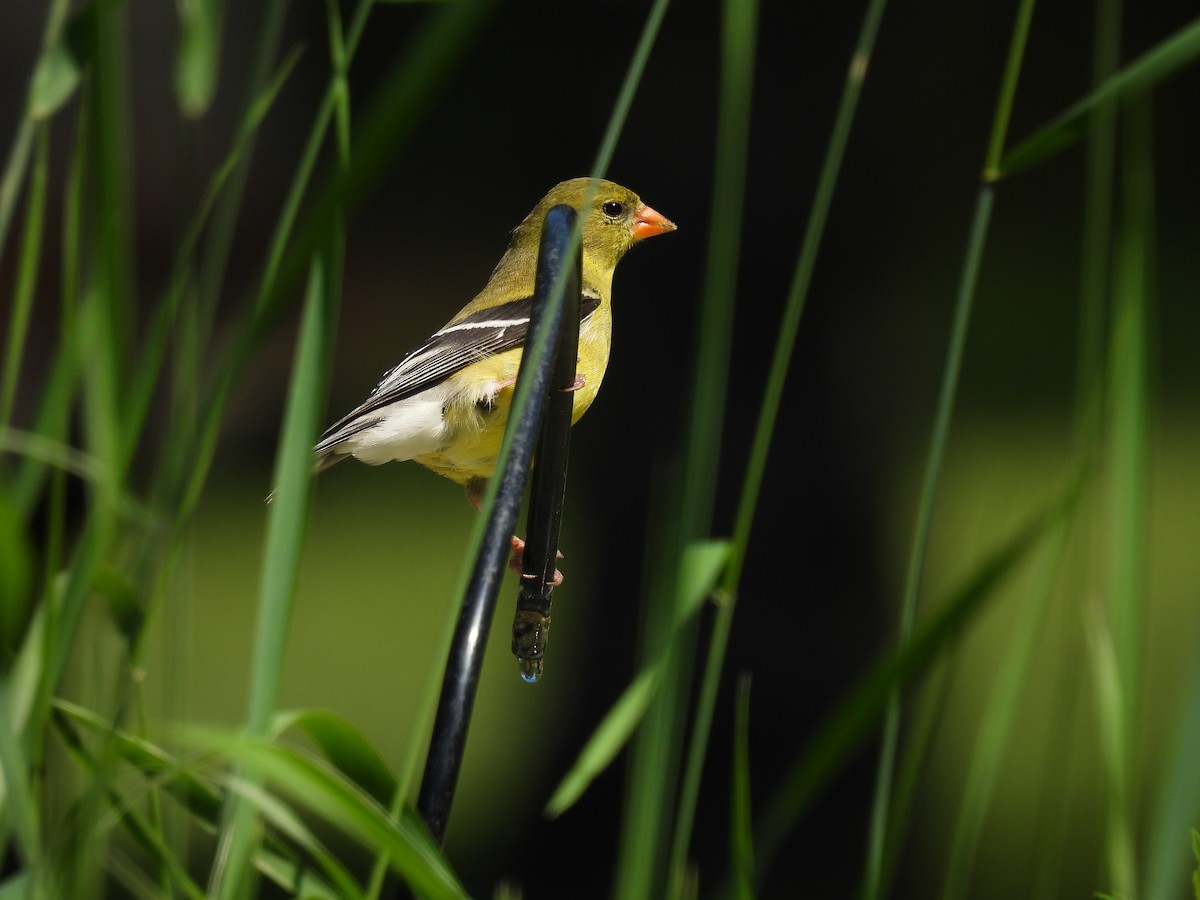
[476,413]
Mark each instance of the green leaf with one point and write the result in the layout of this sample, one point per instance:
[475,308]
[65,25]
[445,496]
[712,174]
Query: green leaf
[606,741]
[701,566]
[412,851]
[345,748]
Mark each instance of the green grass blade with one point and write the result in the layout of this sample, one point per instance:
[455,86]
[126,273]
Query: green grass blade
[1177,51]
[877,835]
[286,525]
[31,252]
[345,748]
[739,27]
[1177,802]
[197,61]
[855,717]
[606,741]
[1196,853]
[1127,487]
[741,836]
[225,216]
[1112,708]
[633,77]
[123,808]
[20,804]
[976,240]
[286,822]
[319,787]
[702,565]
[46,86]
[999,716]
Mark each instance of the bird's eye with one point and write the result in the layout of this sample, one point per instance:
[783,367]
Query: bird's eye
[613,209]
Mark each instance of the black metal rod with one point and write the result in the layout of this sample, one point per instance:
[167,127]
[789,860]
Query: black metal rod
[531,623]
[461,680]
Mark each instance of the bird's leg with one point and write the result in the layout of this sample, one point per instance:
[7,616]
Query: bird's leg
[475,488]
[518,560]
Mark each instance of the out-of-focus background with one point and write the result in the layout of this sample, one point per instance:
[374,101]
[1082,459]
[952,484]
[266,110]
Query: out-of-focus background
[825,571]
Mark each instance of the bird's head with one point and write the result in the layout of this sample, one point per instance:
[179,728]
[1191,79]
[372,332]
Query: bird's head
[614,219]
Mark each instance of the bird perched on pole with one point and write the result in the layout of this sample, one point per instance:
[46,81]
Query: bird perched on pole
[446,404]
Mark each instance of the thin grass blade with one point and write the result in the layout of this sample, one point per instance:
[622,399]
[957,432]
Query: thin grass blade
[1177,51]
[858,714]
[741,835]
[284,544]
[197,60]
[319,787]
[703,563]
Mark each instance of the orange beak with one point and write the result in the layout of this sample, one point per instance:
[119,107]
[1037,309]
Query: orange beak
[648,223]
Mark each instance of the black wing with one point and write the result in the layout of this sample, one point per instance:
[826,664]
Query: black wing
[457,345]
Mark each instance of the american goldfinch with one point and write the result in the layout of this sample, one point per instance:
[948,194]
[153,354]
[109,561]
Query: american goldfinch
[446,404]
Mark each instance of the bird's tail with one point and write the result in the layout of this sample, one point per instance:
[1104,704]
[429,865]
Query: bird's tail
[325,459]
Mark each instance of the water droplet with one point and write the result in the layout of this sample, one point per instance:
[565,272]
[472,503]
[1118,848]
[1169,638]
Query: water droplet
[531,670]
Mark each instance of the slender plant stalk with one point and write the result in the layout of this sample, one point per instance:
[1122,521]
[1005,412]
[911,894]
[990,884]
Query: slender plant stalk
[31,251]
[976,241]
[285,534]
[16,166]
[739,23]
[1128,488]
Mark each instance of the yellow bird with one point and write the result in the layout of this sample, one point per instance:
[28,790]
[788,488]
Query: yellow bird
[446,404]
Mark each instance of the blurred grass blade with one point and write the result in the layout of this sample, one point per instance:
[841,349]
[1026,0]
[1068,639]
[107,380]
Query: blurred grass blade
[703,562]
[286,822]
[340,803]
[1177,805]
[1196,853]
[345,748]
[633,77]
[709,385]
[877,834]
[22,298]
[16,582]
[854,718]
[46,85]
[158,337]
[1127,475]
[20,886]
[125,808]
[198,55]
[1177,51]
[606,741]
[1111,710]
[741,836]
[18,800]
[999,715]
[186,783]
[287,522]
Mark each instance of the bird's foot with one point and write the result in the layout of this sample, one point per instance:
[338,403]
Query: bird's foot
[578,383]
[474,489]
[517,563]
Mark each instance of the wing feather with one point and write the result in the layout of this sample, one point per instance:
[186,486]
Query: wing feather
[462,342]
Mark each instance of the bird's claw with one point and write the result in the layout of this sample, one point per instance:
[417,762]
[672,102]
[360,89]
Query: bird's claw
[517,562]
